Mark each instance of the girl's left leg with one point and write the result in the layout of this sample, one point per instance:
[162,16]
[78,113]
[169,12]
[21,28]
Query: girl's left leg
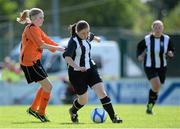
[106,102]
[153,94]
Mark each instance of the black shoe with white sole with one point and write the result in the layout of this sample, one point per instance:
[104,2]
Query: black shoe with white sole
[74,117]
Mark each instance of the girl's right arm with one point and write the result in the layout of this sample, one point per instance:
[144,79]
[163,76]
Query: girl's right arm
[141,50]
[72,64]
[69,53]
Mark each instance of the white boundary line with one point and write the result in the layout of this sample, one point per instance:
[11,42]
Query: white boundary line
[90,128]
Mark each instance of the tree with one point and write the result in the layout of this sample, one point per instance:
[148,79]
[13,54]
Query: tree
[172,21]
[127,14]
[7,8]
[162,8]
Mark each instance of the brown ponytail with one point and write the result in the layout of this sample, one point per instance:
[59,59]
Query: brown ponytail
[27,15]
[24,17]
[72,29]
[80,25]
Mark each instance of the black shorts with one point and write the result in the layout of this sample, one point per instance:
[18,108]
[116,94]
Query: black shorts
[156,72]
[81,80]
[34,73]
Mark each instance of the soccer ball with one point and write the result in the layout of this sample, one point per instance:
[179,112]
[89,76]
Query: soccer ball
[98,115]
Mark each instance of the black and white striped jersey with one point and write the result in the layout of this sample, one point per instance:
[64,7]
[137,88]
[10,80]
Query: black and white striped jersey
[155,50]
[79,51]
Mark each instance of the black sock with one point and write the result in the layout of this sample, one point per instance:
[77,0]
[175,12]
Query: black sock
[106,102]
[152,97]
[76,106]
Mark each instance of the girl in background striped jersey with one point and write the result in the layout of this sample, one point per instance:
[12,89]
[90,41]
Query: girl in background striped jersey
[153,51]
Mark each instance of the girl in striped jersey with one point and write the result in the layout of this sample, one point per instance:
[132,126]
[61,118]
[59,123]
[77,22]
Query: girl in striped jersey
[154,50]
[83,72]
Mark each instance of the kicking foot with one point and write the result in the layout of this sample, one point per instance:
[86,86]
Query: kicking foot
[117,119]
[74,117]
[149,109]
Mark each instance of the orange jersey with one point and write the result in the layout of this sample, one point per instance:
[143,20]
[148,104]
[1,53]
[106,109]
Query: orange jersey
[32,38]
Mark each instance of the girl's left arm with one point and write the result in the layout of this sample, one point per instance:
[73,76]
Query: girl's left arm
[171,49]
[49,42]
[93,37]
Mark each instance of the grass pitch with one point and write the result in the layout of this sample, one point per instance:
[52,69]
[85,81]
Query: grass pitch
[134,116]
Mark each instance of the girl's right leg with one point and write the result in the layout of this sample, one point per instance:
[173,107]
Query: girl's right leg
[78,103]
[36,102]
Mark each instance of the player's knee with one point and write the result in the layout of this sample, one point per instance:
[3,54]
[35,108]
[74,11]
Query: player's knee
[50,87]
[47,87]
[103,94]
[83,101]
[156,88]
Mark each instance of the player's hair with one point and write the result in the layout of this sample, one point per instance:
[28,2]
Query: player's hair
[156,22]
[26,15]
[80,25]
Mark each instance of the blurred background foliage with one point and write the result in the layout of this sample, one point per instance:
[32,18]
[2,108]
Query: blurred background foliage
[136,15]
[125,21]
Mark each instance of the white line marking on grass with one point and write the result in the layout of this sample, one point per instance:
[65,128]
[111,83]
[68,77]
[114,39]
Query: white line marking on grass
[90,128]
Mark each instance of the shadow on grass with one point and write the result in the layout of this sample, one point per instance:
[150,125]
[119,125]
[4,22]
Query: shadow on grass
[70,123]
[26,122]
[38,122]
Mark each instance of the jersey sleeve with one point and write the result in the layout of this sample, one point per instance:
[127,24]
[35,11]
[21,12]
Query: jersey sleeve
[91,37]
[141,47]
[171,46]
[69,51]
[47,40]
[34,34]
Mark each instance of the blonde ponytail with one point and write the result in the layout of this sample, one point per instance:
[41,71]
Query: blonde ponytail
[24,17]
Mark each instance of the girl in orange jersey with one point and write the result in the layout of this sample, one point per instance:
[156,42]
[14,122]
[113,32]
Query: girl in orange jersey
[34,40]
